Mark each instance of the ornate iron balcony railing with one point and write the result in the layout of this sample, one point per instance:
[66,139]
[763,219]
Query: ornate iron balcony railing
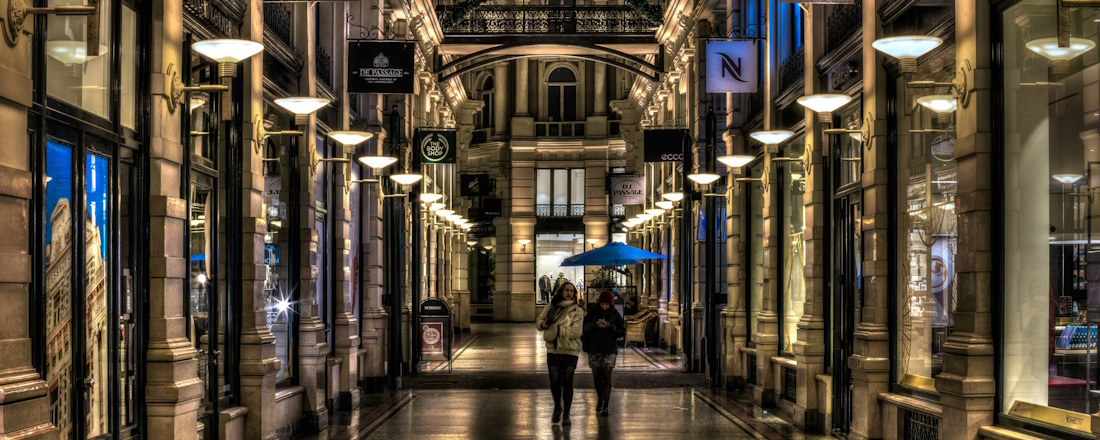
[281,22]
[559,210]
[791,69]
[560,129]
[500,19]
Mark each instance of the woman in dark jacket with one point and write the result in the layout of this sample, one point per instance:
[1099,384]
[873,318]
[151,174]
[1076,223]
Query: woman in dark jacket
[603,326]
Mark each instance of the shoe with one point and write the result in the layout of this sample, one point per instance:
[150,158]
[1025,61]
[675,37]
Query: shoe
[599,407]
[557,416]
[604,412]
[565,420]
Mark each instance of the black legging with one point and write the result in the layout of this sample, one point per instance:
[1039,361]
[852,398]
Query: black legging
[561,385]
[601,377]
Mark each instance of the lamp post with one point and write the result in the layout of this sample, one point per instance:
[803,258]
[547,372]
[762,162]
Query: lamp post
[395,258]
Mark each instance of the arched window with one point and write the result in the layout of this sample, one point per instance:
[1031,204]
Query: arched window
[488,112]
[561,95]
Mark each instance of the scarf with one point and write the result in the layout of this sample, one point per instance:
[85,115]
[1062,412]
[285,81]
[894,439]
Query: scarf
[557,310]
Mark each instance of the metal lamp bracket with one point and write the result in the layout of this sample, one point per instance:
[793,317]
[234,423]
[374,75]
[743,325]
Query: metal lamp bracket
[174,88]
[18,10]
[261,134]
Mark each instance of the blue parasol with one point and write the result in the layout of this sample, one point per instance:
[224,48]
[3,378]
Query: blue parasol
[612,254]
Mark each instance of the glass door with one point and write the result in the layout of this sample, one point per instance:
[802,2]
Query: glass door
[846,302]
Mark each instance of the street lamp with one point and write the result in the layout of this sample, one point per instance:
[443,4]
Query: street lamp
[703,178]
[302,107]
[350,138]
[1060,56]
[907,49]
[824,104]
[227,52]
[430,197]
[656,212]
[673,196]
[664,204]
[405,178]
[773,137]
[943,105]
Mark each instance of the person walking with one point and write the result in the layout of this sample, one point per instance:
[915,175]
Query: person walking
[561,324]
[603,326]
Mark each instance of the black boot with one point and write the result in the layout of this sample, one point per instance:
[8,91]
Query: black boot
[599,407]
[557,415]
[565,420]
[603,409]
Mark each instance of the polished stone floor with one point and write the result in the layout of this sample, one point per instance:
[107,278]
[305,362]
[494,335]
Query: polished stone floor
[525,414]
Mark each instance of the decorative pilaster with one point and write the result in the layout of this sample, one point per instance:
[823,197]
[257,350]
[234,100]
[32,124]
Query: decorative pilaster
[735,315]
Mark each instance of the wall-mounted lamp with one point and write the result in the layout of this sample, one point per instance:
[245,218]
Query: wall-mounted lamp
[704,178]
[593,241]
[943,105]
[377,162]
[227,52]
[673,196]
[907,49]
[429,197]
[174,90]
[1060,56]
[436,206]
[644,217]
[444,212]
[523,244]
[488,247]
[824,104]
[772,138]
[302,107]
[656,212]
[350,138]
[406,178]
[262,134]
[664,204]
[18,12]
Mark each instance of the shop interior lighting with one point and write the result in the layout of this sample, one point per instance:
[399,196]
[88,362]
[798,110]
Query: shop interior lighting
[378,162]
[405,178]
[736,160]
[72,53]
[907,49]
[773,137]
[1067,179]
[1060,56]
[430,197]
[350,138]
[227,52]
[302,107]
[704,178]
[664,204]
[673,196]
[656,212]
[824,104]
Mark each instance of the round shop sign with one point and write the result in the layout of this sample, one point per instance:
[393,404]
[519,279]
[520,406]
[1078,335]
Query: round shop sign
[432,335]
[434,147]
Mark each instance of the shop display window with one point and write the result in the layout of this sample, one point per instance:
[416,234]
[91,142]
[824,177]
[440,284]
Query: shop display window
[1051,123]
[756,247]
[792,187]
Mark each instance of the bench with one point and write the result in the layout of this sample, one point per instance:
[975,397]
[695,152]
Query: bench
[636,326]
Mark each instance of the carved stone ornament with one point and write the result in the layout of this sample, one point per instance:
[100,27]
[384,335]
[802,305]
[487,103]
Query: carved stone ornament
[765,179]
[259,136]
[313,159]
[17,13]
[865,131]
[174,86]
[962,84]
[807,159]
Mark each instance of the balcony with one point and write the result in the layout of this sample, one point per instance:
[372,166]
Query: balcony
[538,19]
[559,210]
[559,129]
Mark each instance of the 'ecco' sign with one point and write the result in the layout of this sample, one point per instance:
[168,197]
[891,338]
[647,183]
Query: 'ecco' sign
[665,144]
[627,190]
[732,66]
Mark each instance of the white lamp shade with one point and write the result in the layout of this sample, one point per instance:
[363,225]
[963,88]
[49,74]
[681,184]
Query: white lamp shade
[436,206]
[664,204]
[524,241]
[736,160]
[824,102]
[673,196]
[471,242]
[71,52]
[939,103]
[461,221]
[593,240]
[656,212]
[629,223]
[406,178]
[1048,47]
[302,105]
[377,162]
[704,178]
[466,226]
[351,138]
[644,217]
[912,46]
[444,212]
[226,50]
[430,197]
[1067,178]
[774,137]
[453,217]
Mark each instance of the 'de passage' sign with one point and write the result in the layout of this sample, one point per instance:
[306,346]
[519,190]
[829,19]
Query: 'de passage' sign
[380,67]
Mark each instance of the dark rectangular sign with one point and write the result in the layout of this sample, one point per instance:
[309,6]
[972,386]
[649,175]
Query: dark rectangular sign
[666,145]
[490,208]
[381,67]
[475,185]
[437,146]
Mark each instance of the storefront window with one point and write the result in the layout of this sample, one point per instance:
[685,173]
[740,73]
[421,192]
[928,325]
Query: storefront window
[1051,123]
[792,186]
[756,247]
[76,73]
[927,234]
[128,75]
[278,302]
[550,251]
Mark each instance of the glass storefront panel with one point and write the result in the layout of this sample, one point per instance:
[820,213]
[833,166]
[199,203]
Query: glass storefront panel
[59,287]
[97,236]
[279,305]
[128,75]
[76,73]
[756,246]
[927,233]
[1051,146]
[202,281]
[792,186]
[550,251]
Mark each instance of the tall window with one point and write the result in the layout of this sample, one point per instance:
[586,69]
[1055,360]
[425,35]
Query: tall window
[792,187]
[1051,146]
[927,234]
[561,95]
[755,271]
[279,301]
[559,192]
[487,113]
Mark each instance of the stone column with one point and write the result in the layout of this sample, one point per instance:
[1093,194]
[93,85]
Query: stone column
[735,314]
[24,399]
[258,364]
[523,124]
[501,100]
[870,363]
[809,350]
[767,327]
[345,325]
[966,385]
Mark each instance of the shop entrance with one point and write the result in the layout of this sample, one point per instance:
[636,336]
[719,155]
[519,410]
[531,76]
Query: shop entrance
[846,301]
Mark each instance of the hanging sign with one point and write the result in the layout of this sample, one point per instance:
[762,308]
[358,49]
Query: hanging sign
[490,209]
[627,190]
[437,146]
[475,185]
[732,66]
[665,145]
[380,67]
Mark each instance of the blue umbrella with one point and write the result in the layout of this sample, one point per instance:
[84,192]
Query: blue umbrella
[613,254]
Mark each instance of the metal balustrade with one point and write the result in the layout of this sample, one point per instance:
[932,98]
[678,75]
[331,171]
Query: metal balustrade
[560,129]
[538,19]
[559,210]
[920,426]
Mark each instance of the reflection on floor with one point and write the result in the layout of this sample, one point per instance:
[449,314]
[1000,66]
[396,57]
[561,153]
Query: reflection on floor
[518,347]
